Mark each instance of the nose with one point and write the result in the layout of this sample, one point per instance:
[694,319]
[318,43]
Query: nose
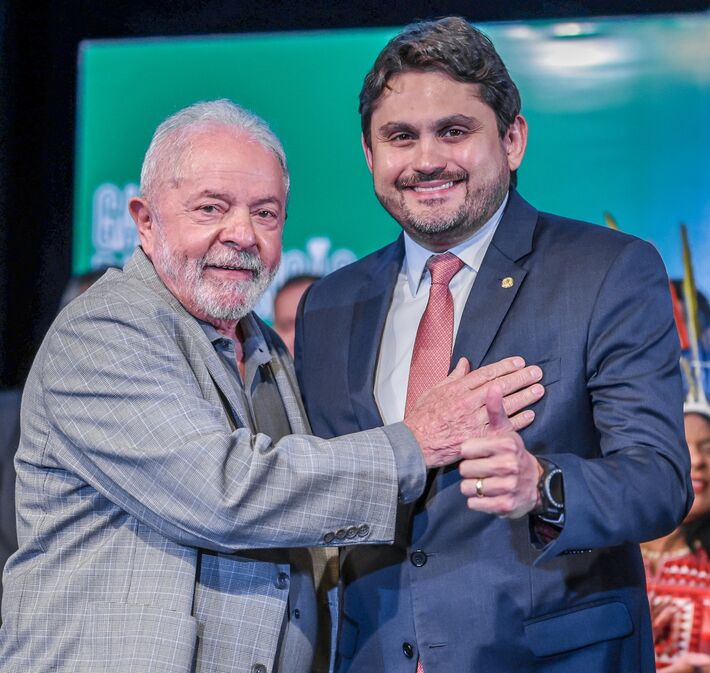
[697,458]
[238,229]
[428,156]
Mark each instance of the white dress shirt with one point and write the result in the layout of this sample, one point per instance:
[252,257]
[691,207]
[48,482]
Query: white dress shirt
[409,300]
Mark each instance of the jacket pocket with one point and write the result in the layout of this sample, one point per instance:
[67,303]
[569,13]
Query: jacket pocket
[551,369]
[581,626]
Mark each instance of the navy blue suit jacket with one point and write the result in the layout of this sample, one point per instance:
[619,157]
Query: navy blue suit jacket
[591,306]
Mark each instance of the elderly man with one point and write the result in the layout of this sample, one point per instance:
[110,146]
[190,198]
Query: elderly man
[480,274]
[167,483]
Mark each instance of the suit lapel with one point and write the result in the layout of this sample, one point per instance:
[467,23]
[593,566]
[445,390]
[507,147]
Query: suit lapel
[220,378]
[368,323]
[497,283]
[285,377]
[288,388]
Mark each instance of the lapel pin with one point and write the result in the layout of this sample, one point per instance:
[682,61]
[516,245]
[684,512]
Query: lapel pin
[507,282]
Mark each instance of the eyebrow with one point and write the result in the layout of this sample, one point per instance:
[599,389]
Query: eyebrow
[454,119]
[268,200]
[224,196]
[210,193]
[451,120]
[391,127]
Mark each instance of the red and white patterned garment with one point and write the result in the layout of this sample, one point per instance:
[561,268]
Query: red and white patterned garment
[684,582]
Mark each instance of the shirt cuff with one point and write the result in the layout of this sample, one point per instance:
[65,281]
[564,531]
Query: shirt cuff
[409,461]
[543,533]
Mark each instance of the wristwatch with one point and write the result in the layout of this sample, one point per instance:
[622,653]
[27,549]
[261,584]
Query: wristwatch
[552,494]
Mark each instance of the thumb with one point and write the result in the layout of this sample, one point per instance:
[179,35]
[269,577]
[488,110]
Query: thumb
[498,420]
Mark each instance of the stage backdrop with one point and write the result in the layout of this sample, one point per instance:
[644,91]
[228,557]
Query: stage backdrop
[619,114]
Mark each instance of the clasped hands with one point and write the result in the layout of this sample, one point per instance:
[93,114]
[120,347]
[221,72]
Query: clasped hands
[474,417]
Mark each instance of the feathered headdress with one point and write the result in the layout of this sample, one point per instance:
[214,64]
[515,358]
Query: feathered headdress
[687,320]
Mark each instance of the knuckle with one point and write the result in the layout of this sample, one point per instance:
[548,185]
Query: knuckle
[513,401]
[507,444]
[507,505]
[478,418]
[493,371]
[511,468]
[519,422]
[510,382]
[530,395]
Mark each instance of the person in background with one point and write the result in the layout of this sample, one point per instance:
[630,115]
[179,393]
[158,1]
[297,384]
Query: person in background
[286,306]
[678,570]
[677,566]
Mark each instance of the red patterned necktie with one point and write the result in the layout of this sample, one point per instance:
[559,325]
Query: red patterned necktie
[431,355]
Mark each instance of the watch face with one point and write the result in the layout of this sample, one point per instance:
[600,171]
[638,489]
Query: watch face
[551,490]
[554,492]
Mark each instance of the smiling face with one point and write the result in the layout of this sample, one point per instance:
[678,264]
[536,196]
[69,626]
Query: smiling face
[697,435]
[439,165]
[214,233]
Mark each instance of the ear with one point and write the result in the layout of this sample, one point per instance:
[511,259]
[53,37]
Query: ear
[145,223]
[515,141]
[367,150]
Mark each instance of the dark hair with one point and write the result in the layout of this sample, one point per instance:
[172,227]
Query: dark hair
[454,47]
[297,280]
[697,533]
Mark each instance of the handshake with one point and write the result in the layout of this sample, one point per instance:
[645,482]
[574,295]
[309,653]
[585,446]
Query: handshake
[474,417]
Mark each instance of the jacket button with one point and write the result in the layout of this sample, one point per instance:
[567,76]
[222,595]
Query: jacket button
[258,668]
[296,613]
[351,532]
[408,650]
[341,533]
[363,531]
[418,558]
[281,581]
[328,538]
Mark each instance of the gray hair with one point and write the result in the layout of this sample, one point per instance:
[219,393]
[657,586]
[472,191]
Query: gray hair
[171,140]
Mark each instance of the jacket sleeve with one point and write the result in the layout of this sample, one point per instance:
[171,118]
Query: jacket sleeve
[639,488]
[124,410]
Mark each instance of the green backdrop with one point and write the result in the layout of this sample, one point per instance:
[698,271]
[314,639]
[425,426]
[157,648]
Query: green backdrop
[619,115]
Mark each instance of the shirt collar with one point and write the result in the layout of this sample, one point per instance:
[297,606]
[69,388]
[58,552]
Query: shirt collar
[471,251]
[254,342]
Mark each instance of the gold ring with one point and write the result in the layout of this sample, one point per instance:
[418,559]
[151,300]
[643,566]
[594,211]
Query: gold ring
[479,487]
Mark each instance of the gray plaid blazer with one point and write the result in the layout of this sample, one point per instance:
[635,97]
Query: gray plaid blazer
[157,533]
